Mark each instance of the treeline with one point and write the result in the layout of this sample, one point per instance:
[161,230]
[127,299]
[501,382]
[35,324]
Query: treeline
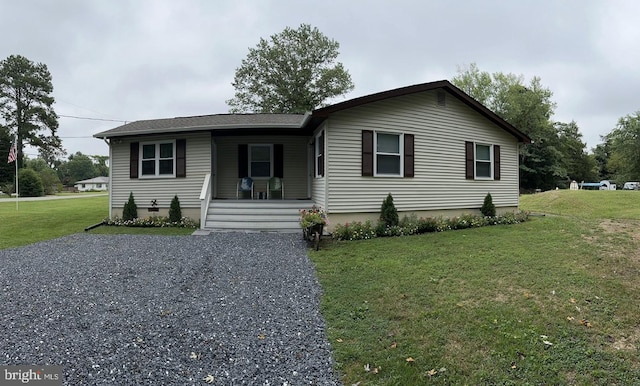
[38,177]
[557,154]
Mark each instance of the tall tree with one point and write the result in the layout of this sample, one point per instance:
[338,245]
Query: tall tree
[624,142]
[26,104]
[601,155]
[79,167]
[580,165]
[527,106]
[100,164]
[7,170]
[293,72]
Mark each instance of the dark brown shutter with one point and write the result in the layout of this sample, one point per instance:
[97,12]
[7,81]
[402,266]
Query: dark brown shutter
[496,162]
[134,152]
[469,157]
[243,160]
[278,160]
[320,159]
[408,155]
[367,153]
[181,157]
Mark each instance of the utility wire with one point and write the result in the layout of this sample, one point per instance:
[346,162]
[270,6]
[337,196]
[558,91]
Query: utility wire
[92,119]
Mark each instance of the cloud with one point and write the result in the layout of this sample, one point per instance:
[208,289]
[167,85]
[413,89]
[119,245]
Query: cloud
[132,59]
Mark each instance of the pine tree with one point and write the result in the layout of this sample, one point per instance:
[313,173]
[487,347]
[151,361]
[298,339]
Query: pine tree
[175,213]
[130,211]
[388,212]
[488,209]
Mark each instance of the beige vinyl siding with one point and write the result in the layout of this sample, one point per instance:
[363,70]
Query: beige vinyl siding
[319,184]
[198,163]
[295,158]
[440,134]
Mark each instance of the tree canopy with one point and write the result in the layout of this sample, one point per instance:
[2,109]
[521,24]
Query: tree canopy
[292,72]
[619,155]
[26,105]
[528,106]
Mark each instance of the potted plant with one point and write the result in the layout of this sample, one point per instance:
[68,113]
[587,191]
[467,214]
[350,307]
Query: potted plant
[312,222]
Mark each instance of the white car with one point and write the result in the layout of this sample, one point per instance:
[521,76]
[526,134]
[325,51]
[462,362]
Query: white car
[631,186]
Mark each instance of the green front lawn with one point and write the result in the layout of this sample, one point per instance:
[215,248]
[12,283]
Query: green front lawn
[549,301]
[44,220]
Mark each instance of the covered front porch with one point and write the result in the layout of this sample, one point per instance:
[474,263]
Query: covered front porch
[226,206]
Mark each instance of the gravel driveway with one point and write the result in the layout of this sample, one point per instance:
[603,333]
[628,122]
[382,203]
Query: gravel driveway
[143,310]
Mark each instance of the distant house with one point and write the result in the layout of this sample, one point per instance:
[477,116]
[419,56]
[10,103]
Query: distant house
[98,183]
[434,148]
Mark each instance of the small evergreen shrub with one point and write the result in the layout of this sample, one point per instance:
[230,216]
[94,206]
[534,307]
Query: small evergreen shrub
[130,210]
[488,209]
[175,213]
[29,183]
[388,212]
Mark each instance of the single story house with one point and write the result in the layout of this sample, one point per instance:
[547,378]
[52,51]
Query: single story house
[98,183]
[433,147]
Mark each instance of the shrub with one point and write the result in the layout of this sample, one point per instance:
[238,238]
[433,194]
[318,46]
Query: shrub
[29,184]
[411,225]
[175,213]
[388,212]
[130,210]
[155,221]
[354,231]
[488,209]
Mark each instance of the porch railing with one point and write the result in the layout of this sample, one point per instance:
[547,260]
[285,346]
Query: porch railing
[205,198]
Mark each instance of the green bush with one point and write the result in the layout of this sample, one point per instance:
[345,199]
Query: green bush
[388,212]
[175,213]
[488,209]
[130,210]
[29,184]
[354,231]
[152,222]
[411,225]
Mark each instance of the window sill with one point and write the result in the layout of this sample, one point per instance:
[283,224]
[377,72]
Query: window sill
[388,176]
[160,177]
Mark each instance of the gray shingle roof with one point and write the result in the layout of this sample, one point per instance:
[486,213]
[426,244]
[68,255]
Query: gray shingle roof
[95,180]
[207,122]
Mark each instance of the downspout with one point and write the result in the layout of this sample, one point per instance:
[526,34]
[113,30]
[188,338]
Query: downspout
[110,173]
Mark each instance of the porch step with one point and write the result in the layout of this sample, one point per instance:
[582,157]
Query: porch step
[255,215]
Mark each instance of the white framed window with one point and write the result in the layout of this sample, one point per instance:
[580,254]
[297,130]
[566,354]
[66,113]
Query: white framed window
[158,159]
[388,154]
[260,160]
[319,154]
[483,161]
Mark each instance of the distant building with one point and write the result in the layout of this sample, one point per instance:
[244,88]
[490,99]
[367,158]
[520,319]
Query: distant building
[573,185]
[98,183]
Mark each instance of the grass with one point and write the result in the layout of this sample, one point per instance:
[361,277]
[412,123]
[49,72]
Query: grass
[586,204]
[43,220]
[476,306]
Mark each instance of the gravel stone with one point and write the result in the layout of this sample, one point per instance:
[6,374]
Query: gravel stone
[161,310]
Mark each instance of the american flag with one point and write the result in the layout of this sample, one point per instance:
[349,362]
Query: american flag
[13,154]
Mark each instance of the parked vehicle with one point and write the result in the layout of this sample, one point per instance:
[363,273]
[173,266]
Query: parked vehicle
[631,185]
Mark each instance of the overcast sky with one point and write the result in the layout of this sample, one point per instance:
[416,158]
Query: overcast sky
[132,59]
